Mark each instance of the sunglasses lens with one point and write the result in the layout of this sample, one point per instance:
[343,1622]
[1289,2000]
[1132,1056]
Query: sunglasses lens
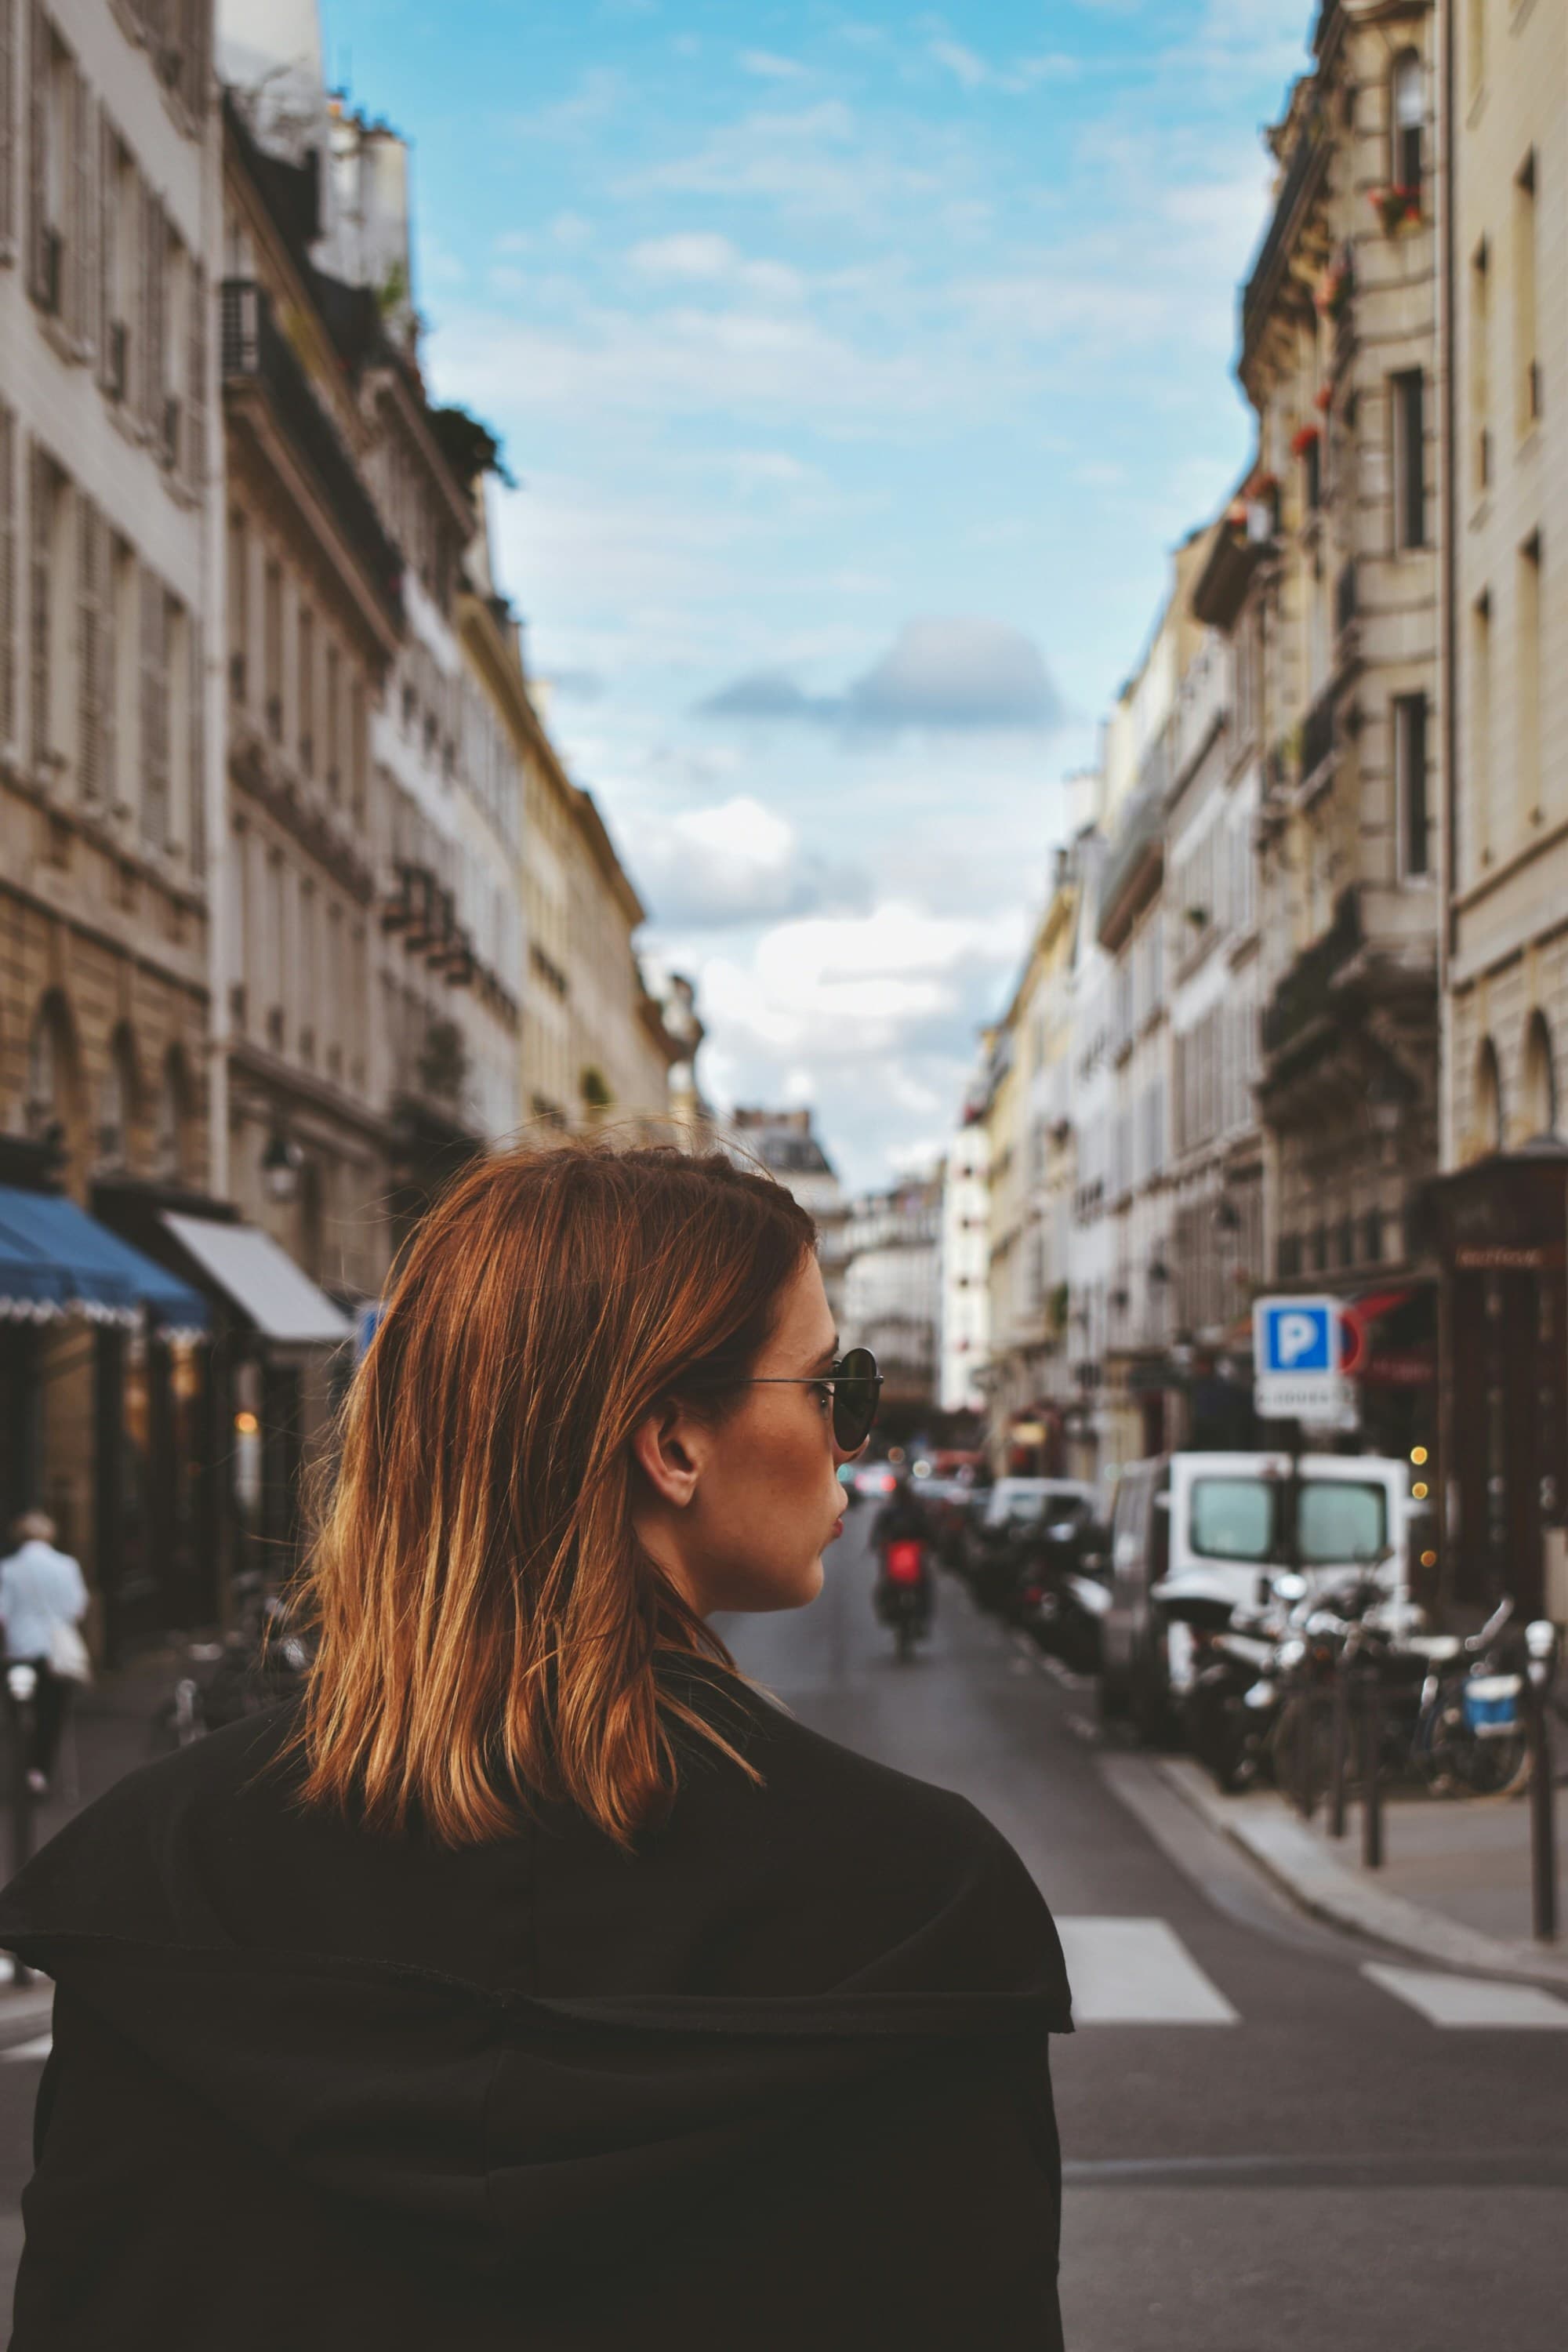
[855,1388]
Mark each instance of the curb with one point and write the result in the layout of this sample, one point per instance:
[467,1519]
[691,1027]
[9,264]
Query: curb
[1293,1856]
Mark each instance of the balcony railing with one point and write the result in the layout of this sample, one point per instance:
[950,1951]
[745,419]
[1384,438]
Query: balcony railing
[1305,993]
[1316,736]
[1345,605]
[1307,158]
[255,351]
[1138,837]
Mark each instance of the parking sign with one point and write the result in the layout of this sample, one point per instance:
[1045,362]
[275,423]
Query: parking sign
[1297,1353]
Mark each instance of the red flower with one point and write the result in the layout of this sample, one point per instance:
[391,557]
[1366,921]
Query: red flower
[1303,439]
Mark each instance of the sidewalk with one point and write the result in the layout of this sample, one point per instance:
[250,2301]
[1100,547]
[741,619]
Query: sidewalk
[109,1733]
[1455,1885]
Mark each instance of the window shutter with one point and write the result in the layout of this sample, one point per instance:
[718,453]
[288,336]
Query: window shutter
[90,652]
[7,569]
[152,318]
[38,490]
[104,297]
[197,387]
[86,224]
[108,662]
[154,709]
[7,110]
[196,818]
[38,136]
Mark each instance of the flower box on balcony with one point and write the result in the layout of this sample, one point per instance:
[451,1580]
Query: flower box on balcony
[1305,439]
[1398,209]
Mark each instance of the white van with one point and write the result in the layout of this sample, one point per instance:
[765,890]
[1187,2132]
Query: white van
[1211,1531]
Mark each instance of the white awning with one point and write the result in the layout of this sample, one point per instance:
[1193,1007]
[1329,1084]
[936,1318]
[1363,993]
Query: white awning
[263,1280]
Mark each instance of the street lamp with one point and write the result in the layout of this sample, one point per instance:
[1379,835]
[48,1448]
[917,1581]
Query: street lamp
[280,1165]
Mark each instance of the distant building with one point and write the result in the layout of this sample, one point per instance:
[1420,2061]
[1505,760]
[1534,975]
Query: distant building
[892,1287]
[964,1323]
[786,1144]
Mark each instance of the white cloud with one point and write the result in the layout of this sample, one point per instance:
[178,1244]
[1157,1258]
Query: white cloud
[768,66]
[951,674]
[700,257]
[732,864]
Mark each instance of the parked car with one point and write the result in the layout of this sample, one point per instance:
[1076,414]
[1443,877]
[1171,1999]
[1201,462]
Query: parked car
[1197,1535]
[1012,1532]
[873,1482]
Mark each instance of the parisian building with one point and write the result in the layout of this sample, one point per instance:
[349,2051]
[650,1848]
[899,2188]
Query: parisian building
[1501,1209]
[1339,360]
[110,737]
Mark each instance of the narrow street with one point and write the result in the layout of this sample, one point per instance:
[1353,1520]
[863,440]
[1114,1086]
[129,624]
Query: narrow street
[1266,2146]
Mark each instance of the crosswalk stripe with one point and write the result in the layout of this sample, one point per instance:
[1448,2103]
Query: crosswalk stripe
[1138,1972]
[1471,2000]
[39,2047]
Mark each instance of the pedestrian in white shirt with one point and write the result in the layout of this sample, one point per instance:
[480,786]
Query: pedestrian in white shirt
[43,1599]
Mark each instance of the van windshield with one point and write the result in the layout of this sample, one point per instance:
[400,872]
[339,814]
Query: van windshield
[1338,1521]
[1235,1519]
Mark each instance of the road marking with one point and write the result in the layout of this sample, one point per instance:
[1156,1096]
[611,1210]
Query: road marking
[1471,2000]
[39,2047]
[1138,1972]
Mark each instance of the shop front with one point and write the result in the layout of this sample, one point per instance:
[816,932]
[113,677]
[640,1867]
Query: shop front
[103,1365]
[1502,1232]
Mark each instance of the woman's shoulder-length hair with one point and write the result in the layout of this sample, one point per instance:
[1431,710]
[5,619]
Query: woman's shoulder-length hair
[487,1628]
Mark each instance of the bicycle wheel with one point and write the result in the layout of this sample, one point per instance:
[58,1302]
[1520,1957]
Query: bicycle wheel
[1301,1751]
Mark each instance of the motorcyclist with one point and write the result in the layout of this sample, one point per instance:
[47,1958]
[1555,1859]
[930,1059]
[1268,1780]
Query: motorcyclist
[901,1520]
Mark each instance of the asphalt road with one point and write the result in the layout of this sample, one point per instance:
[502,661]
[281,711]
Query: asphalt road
[1266,2147]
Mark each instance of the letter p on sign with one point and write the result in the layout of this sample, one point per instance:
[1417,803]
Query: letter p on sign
[1298,1338]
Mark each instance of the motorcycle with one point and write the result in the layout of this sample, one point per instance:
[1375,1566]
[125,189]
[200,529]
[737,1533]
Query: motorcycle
[258,1665]
[903,1594]
[1471,1737]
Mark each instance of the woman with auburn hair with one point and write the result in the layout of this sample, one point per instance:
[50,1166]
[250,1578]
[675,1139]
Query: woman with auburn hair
[535,1981]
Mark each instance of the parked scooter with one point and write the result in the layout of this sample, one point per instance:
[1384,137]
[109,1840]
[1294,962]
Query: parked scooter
[1471,1737]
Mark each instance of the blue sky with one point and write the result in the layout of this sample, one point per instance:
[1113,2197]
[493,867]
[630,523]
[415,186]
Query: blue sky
[859,368]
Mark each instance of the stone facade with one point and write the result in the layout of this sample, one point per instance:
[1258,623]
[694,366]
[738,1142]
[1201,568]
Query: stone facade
[1339,360]
[1508,857]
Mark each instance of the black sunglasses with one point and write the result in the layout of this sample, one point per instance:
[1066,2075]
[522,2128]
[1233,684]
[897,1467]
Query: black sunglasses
[856,1384]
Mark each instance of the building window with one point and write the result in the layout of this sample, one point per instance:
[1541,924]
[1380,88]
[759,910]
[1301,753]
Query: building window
[1345,1242]
[1287,1253]
[1409,396]
[1410,783]
[1540,1077]
[1527,360]
[1530,602]
[1489,1123]
[307,690]
[1480,363]
[1372,1237]
[1482,795]
[272,648]
[1408,109]
[1475,43]
[238,605]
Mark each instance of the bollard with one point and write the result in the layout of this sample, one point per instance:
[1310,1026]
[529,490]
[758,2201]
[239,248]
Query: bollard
[1372,1774]
[1339,1757]
[1541,1639]
[22,1682]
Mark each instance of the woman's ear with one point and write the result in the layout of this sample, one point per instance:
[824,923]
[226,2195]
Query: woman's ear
[663,1451]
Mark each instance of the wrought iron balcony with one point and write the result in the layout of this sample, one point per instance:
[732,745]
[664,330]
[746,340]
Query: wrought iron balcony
[255,351]
[1316,736]
[1308,159]
[1305,993]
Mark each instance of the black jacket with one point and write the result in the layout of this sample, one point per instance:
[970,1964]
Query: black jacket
[779,2079]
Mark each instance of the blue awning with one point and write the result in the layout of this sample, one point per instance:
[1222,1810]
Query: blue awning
[57,1260]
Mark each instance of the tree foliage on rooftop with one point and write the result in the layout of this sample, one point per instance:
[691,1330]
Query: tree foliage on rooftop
[469,447]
